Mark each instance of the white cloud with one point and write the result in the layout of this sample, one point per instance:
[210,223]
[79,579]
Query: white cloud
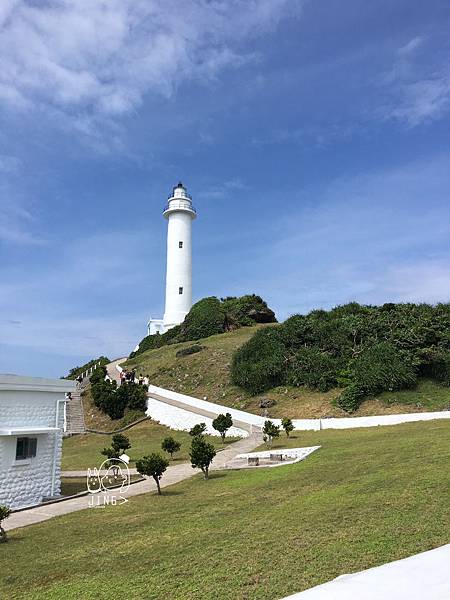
[419,93]
[223,189]
[101,57]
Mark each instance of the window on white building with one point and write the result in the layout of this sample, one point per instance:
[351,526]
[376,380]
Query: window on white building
[180,290]
[180,244]
[26,448]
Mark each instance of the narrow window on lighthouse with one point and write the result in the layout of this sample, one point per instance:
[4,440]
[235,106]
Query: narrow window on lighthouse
[180,290]
[180,244]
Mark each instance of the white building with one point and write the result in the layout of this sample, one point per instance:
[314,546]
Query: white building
[32,420]
[180,213]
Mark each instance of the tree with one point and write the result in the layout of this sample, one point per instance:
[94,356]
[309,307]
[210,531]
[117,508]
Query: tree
[119,444]
[198,429]
[4,514]
[287,425]
[270,431]
[202,454]
[170,445]
[154,466]
[222,424]
[132,396]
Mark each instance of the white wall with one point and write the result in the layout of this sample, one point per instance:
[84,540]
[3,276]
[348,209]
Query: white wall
[26,482]
[179,268]
[251,420]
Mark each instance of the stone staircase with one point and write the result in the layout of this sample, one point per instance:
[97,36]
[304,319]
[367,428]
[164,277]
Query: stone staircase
[75,414]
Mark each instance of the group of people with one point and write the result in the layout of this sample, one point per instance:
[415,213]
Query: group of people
[130,376]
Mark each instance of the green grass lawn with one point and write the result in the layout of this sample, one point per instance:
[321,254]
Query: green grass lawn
[83,451]
[368,496]
[74,485]
[207,373]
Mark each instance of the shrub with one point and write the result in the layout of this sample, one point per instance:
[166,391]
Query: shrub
[119,444]
[202,454]
[259,364]
[205,318]
[287,425]
[190,350]
[351,398]
[246,310]
[270,431]
[198,429]
[170,445]
[98,375]
[313,368]
[132,396]
[5,511]
[440,368]
[383,367]
[103,393]
[154,466]
[222,424]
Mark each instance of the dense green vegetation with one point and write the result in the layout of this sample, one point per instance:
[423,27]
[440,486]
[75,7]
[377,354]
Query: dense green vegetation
[73,373]
[211,316]
[113,400]
[365,349]
[207,374]
[367,497]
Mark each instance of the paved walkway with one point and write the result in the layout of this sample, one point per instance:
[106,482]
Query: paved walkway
[173,475]
[424,576]
[111,369]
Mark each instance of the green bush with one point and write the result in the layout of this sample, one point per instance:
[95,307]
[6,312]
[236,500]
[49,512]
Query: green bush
[132,396]
[246,310]
[351,398]
[383,367]
[205,318]
[313,368]
[260,363]
[440,368]
[190,350]
[98,375]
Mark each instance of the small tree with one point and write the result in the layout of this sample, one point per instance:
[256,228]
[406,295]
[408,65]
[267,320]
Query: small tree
[202,454]
[198,429]
[270,431]
[170,445]
[119,444]
[154,466]
[4,514]
[287,425]
[222,424]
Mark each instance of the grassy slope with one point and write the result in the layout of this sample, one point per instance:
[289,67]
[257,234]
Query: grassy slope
[365,498]
[83,451]
[207,374]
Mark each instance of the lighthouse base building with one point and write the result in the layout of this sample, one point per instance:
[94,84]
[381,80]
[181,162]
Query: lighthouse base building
[179,213]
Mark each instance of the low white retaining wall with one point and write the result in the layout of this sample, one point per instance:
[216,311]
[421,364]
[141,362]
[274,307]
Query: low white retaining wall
[424,576]
[256,421]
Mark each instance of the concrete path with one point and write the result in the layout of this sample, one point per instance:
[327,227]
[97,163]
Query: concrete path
[112,370]
[173,475]
[424,576]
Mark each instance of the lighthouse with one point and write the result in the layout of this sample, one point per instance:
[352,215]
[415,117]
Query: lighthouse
[179,213]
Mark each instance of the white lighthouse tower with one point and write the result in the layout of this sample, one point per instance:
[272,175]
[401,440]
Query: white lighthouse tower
[180,213]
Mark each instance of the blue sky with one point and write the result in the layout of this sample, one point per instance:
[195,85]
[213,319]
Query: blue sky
[312,135]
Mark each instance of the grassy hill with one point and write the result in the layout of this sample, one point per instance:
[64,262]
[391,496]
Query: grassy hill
[207,374]
[368,496]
